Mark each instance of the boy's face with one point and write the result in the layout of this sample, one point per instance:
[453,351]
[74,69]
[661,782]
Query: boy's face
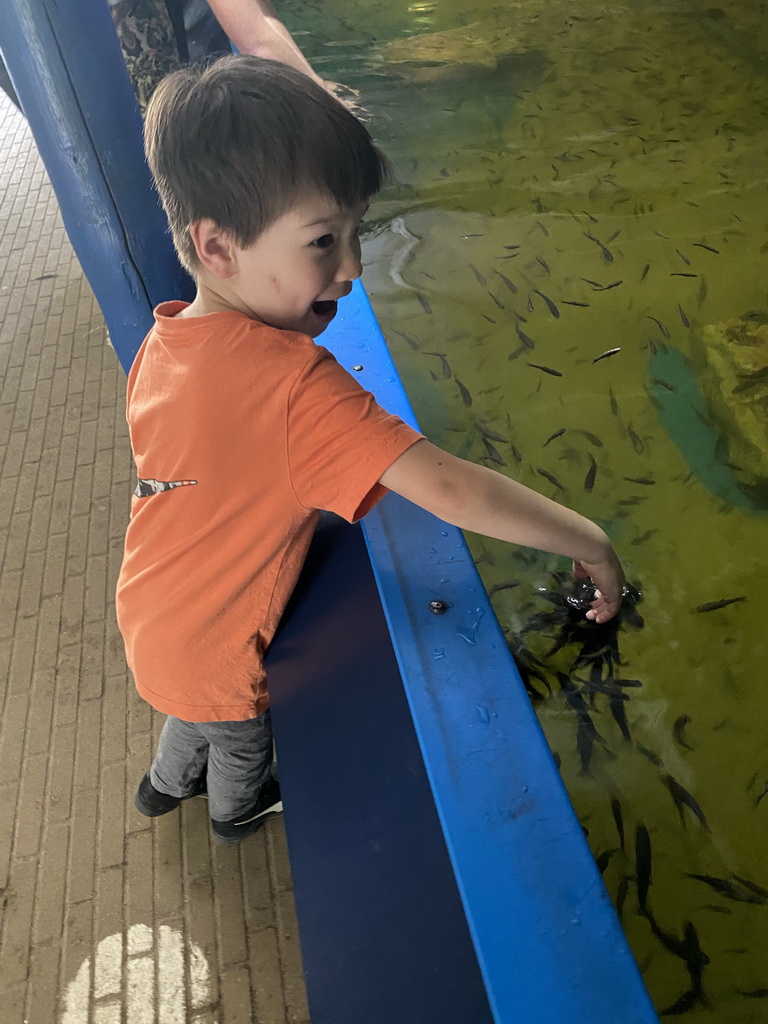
[292,276]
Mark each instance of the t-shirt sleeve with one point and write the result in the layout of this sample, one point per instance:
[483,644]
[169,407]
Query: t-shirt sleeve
[340,440]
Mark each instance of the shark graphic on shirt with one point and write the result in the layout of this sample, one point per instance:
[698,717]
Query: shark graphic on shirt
[146,488]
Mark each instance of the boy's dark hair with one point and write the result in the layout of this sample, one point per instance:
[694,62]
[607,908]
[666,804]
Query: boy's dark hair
[243,140]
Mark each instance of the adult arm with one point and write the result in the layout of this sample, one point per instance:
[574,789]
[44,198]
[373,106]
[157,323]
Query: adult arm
[479,499]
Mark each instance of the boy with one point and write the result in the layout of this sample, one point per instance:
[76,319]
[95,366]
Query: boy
[242,428]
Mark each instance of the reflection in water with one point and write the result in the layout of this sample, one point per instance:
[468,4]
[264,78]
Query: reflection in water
[570,276]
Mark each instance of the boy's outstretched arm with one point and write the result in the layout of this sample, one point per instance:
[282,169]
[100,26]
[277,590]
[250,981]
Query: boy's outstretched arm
[475,498]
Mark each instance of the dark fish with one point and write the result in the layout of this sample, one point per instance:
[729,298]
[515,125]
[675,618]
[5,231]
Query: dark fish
[682,274]
[498,587]
[635,499]
[660,325]
[702,293]
[653,758]
[756,993]
[515,453]
[567,303]
[413,342]
[549,304]
[589,479]
[557,433]
[552,479]
[682,799]
[663,384]
[592,438]
[498,302]
[709,248]
[618,817]
[643,537]
[543,263]
[604,355]
[493,452]
[478,276]
[677,730]
[637,441]
[614,403]
[683,317]
[488,318]
[511,246]
[595,284]
[546,369]
[444,365]
[736,891]
[528,342]
[621,894]
[424,303]
[465,395]
[492,434]
[45,277]
[606,253]
[614,235]
[683,257]
[616,705]
[510,284]
[529,304]
[643,864]
[603,860]
[607,287]
[713,606]
[646,481]
[644,274]
[444,173]
[542,229]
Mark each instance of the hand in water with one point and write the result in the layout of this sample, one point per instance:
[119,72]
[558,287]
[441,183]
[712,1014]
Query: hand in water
[608,577]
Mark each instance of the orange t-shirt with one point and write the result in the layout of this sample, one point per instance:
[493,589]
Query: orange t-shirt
[240,433]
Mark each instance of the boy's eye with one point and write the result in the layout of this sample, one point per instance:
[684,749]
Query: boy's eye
[323,242]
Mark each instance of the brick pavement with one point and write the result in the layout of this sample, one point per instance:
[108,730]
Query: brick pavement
[105,917]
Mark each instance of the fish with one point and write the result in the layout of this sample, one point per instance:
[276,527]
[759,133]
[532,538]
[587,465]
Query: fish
[543,263]
[45,277]
[643,864]
[644,274]
[488,318]
[606,354]
[592,438]
[618,817]
[683,257]
[702,294]
[756,993]
[602,860]
[635,499]
[546,369]
[614,403]
[548,476]
[589,479]
[424,302]
[515,453]
[549,304]
[493,452]
[595,284]
[682,799]
[607,287]
[492,434]
[709,248]
[498,302]
[606,253]
[478,276]
[542,229]
[646,481]
[686,322]
[444,364]
[714,606]
[614,235]
[663,383]
[511,246]
[734,890]
[567,303]
[498,587]
[509,284]
[621,894]
[681,274]
[528,342]
[413,342]
[557,433]
[616,705]
[660,325]
[643,537]
[465,395]
[652,757]
[637,441]
[677,730]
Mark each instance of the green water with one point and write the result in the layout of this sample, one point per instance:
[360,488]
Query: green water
[644,125]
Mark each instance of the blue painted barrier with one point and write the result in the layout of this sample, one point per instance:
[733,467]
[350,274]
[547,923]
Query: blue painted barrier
[547,942]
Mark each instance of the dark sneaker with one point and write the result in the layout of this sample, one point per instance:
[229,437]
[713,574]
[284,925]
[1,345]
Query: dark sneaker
[267,806]
[152,803]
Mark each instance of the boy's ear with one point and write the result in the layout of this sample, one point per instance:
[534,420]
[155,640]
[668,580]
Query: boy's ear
[214,248]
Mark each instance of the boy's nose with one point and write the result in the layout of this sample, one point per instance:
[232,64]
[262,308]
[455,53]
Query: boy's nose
[350,267]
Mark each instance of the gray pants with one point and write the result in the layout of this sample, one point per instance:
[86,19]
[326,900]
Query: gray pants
[236,755]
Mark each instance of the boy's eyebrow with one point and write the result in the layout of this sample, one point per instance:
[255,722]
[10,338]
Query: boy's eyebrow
[328,219]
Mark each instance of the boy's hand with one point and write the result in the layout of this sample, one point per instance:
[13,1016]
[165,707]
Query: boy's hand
[608,577]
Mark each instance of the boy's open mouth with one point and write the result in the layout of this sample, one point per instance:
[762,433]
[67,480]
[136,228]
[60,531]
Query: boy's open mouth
[324,307]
